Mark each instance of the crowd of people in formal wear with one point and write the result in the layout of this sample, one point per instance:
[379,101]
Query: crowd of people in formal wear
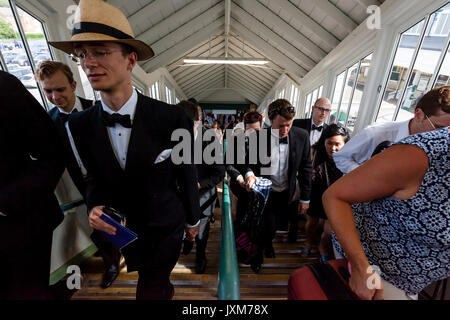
[380,198]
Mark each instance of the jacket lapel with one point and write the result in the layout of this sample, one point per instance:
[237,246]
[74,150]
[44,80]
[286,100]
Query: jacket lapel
[292,153]
[103,143]
[142,147]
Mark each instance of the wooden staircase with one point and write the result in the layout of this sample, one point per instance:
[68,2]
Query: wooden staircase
[269,284]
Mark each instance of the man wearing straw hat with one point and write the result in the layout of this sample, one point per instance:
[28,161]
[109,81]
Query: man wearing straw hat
[125,144]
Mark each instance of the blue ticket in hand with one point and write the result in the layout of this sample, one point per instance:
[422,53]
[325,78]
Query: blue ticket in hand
[123,236]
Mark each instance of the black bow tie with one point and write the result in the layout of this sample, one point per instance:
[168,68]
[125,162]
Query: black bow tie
[111,119]
[284,140]
[65,116]
[314,127]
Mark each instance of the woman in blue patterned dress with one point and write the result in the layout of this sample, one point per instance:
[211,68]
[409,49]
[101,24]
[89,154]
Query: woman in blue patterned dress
[400,221]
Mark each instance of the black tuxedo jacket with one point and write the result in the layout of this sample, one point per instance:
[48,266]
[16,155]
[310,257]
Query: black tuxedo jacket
[299,163]
[162,195]
[306,124]
[209,175]
[70,160]
[31,165]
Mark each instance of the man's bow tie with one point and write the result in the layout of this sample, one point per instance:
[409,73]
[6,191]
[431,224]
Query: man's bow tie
[284,140]
[111,119]
[65,116]
[314,127]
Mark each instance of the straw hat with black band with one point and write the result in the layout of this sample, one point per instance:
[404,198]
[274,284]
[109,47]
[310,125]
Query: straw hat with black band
[98,21]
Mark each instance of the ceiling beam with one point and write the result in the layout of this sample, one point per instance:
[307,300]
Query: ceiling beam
[190,70]
[172,22]
[269,72]
[142,15]
[204,72]
[245,74]
[201,50]
[238,86]
[227,24]
[337,15]
[286,30]
[295,54]
[367,3]
[243,78]
[199,82]
[262,72]
[269,51]
[242,81]
[295,13]
[163,58]
[190,28]
[201,90]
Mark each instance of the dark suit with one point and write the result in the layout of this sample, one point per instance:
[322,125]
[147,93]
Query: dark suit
[110,254]
[157,199]
[209,175]
[71,162]
[306,124]
[282,206]
[30,168]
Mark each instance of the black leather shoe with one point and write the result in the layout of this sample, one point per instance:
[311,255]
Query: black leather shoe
[256,267]
[269,252]
[200,265]
[109,276]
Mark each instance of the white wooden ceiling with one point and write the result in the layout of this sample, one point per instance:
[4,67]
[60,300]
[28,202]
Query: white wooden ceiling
[294,35]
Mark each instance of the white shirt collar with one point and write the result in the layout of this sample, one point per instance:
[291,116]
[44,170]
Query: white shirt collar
[77,106]
[128,108]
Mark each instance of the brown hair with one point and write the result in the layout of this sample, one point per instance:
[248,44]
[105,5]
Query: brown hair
[435,100]
[283,108]
[49,68]
[190,109]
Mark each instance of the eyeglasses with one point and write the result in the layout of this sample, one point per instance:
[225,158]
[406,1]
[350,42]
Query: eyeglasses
[322,109]
[98,55]
[436,127]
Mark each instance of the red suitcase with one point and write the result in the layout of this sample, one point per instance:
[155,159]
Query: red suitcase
[321,281]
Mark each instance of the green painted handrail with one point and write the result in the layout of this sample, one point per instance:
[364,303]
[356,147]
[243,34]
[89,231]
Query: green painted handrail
[229,283]
[71,205]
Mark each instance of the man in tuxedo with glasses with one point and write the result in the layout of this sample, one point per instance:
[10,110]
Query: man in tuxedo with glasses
[316,124]
[125,144]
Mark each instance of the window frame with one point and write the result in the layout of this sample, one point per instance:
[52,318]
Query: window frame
[426,19]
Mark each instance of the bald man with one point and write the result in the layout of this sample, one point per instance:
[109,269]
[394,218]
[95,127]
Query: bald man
[316,124]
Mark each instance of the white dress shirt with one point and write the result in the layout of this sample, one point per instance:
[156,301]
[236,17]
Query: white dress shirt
[279,164]
[79,107]
[361,147]
[119,135]
[314,135]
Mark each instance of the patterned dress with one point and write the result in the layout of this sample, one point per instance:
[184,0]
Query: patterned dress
[409,240]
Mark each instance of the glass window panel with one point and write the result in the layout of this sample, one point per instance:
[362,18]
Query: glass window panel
[14,53]
[308,104]
[348,89]
[424,68]
[340,80]
[34,33]
[443,78]
[88,91]
[320,91]
[397,78]
[359,90]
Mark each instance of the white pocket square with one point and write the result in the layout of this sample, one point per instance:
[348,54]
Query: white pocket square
[163,156]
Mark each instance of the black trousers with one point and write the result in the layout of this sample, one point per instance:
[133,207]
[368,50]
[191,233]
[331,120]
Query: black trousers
[26,271]
[278,214]
[110,254]
[154,255]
